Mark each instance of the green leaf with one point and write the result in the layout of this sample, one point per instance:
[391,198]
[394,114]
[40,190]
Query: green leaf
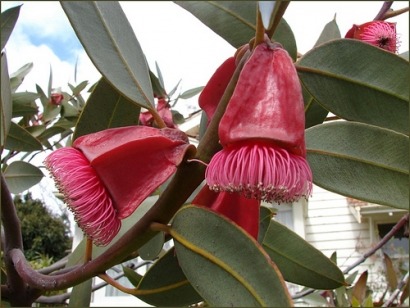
[265,217]
[20,176]
[105,33]
[151,249]
[224,264]
[298,261]
[51,132]
[190,93]
[157,86]
[16,78]
[81,294]
[390,272]
[6,103]
[236,23]
[24,104]
[21,140]
[358,82]
[165,284]
[314,112]
[106,108]
[77,90]
[330,32]
[8,21]
[361,161]
[131,275]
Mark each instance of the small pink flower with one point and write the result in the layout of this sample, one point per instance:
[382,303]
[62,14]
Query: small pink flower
[377,33]
[262,132]
[56,98]
[106,175]
[164,111]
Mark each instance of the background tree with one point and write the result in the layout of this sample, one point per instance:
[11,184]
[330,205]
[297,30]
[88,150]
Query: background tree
[44,234]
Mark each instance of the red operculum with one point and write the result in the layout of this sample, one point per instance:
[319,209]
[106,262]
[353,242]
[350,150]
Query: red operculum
[132,162]
[243,211]
[85,194]
[212,93]
[260,170]
[267,102]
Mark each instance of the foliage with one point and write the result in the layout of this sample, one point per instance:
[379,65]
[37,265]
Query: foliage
[46,236]
[363,155]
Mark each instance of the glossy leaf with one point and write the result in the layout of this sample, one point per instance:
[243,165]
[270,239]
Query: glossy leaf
[108,38]
[365,162]
[236,23]
[151,249]
[225,272]
[314,112]
[20,139]
[8,21]
[20,176]
[340,75]
[166,285]
[6,102]
[298,261]
[106,108]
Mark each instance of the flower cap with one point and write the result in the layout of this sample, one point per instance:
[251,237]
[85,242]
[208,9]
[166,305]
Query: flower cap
[106,175]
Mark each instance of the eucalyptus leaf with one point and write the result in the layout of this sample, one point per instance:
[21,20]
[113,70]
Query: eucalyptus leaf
[361,161]
[16,78]
[236,23]
[298,261]
[190,93]
[359,82]
[165,284]
[20,176]
[6,102]
[81,294]
[107,36]
[225,272]
[265,217]
[8,21]
[151,249]
[21,140]
[314,112]
[106,108]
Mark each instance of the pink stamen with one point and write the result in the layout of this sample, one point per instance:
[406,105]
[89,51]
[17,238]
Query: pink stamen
[85,194]
[260,170]
[381,34]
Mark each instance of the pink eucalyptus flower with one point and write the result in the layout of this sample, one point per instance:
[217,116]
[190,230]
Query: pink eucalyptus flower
[106,175]
[378,33]
[262,132]
[242,211]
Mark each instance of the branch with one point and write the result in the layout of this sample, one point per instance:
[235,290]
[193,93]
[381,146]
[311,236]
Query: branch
[186,179]
[397,291]
[384,9]
[403,221]
[395,13]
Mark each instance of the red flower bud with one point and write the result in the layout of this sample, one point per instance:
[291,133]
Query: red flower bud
[378,33]
[242,211]
[105,176]
[212,93]
[56,98]
[262,132]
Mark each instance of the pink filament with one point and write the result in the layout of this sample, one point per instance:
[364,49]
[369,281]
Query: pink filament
[380,34]
[261,171]
[85,194]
